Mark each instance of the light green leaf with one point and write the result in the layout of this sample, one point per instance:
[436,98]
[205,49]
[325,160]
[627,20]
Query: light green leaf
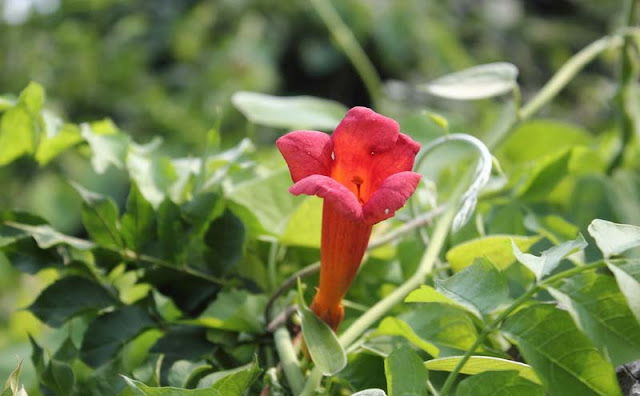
[304,225]
[498,383]
[154,175]
[109,332]
[53,144]
[406,374]
[478,82]
[11,386]
[46,237]
[32,97]
[144,390]
[396,327]
[109,147]
[600,310]
[544,177]
[67,297]
[562,356]
[612,238]
[496,248]
[235,310]
[628,277]
[295,112]
[550,258]
[481,364]
[238,382]
[480,288]
[427,294]
[17,134]
[370,392]
[322,343]
[268,199]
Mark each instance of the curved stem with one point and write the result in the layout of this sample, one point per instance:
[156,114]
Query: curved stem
[288,359]
[503,315]
[349,45]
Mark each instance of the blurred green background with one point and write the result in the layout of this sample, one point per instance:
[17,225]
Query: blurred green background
[169,67]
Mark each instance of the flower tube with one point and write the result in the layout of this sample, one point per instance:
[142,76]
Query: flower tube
[363,173]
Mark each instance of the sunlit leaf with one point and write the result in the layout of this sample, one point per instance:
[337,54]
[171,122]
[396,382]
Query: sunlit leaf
[141,389]
[496,248]
[612,238]
[481,364]
[500,383]
[549,259]
[46,237]
[396,327]
[294,112]
[544,177]
[478,82]
[628,278]
[108,146]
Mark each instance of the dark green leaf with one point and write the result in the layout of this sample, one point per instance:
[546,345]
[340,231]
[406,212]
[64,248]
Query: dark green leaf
[550,258]
[235,310]
[239,381]
[294,112]
[480,288]
[628,277]
[405,372]
[364,370]
[225,240]
[612,238]
[202,210]
[477,82]
[67,297]
[171,230]
[481,364]
[111,331]
[498,383]
[601,311]
[137,224]
[67,352]
[561,354]
[144,390]
[59,377]
[100,218]
[186,374]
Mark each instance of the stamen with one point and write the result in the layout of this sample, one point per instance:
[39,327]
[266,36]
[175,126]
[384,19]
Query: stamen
[357,180]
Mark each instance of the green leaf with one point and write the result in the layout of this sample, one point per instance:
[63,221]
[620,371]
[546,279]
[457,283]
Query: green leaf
[550,258]
[405,372]
[32,97]
[17,134]
[154,175]
[59,376]
[186,374]
[396,327]
[628,278]
[304,225]
[498,383]
[478,82]
[612,238]
[225,240]
[447,326]
[67,297]
[235,310]
[294,112]
[109,332]
[538,138]
[202,210]
[239,381]
[268,199]
[137,223]
[544,177]
[11,386]
[480,288]
[370,392]
[100,217]
[59,140]
[46,237]
[364,370]
[481,364]
[601,311]
[143,390]
[322,343]
[561,354]
[109,147]
[496,248]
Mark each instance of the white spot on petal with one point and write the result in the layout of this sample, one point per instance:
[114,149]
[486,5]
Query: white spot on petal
[333,155]
[386,211]
[372,153]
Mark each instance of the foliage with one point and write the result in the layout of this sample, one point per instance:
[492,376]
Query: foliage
[184,284]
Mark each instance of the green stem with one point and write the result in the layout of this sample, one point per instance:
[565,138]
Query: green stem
[313,382]
[288,359]
[349,45]
[272,271]
[626,95]
[446,387]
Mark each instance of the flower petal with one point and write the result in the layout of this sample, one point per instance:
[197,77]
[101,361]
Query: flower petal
[399,158]
[307,153]
[391,196]
[364,130]
[329,189]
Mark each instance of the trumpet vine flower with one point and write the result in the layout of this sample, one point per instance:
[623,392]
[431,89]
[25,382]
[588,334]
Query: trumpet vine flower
[363,173]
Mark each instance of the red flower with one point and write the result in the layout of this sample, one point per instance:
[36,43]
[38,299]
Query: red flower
[363,172]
